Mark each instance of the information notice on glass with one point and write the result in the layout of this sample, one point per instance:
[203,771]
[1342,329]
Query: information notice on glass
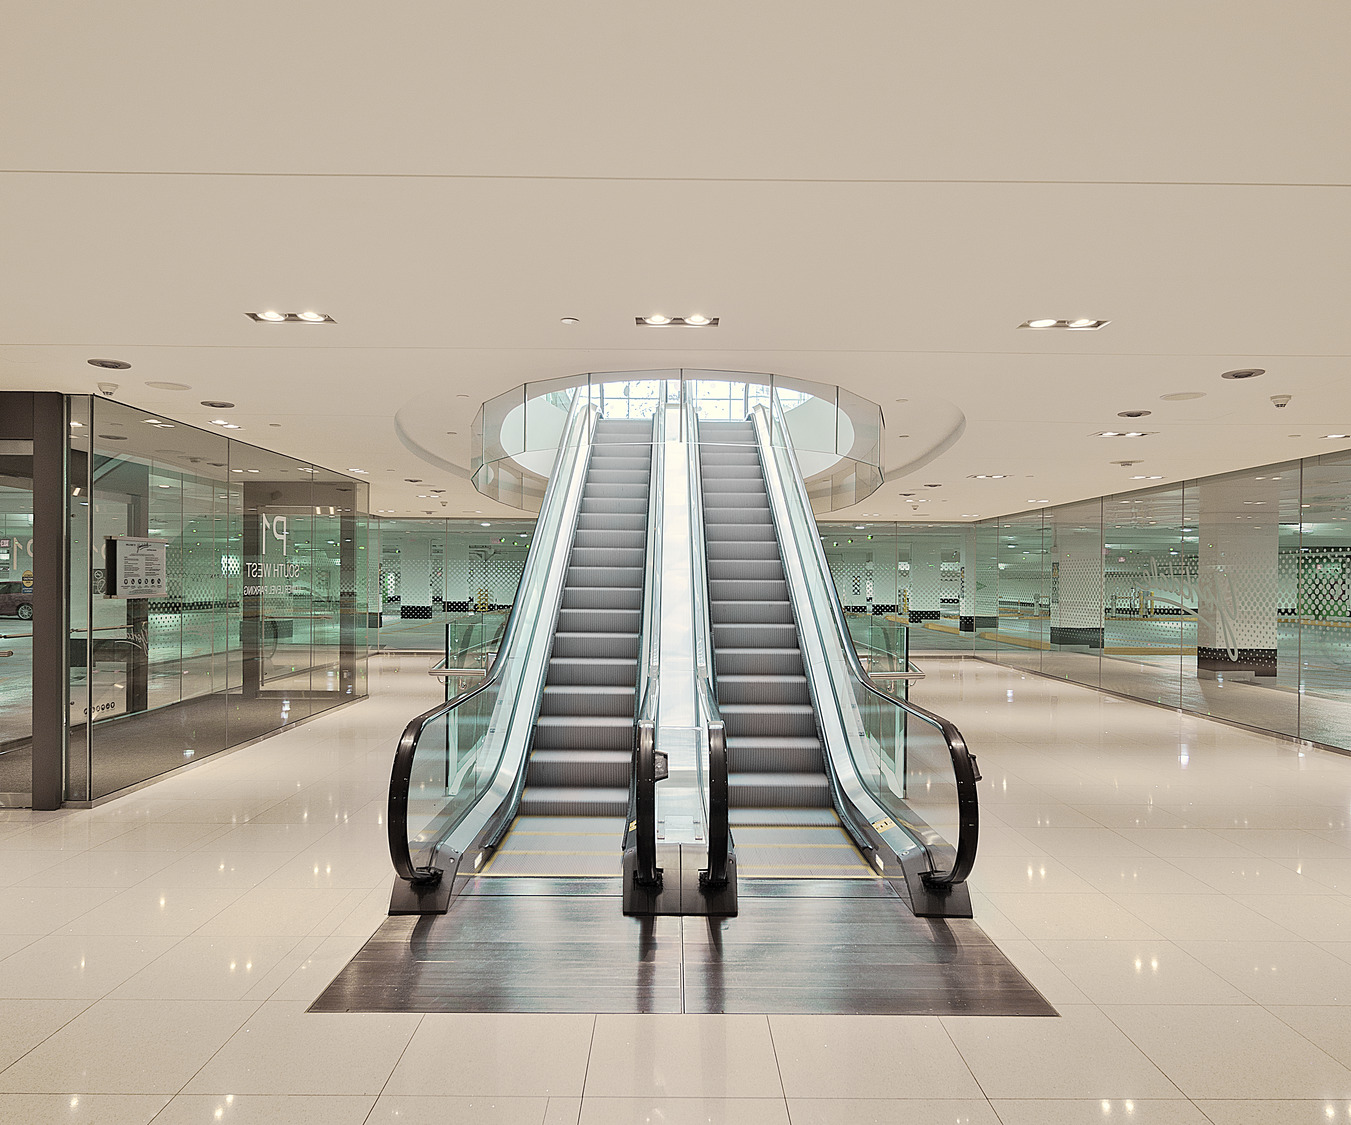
[137,568]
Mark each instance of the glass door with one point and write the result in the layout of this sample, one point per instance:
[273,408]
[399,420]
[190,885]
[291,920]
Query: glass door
[17,581]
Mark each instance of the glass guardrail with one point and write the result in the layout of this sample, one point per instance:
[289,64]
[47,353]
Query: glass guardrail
[454,755]
[913,769]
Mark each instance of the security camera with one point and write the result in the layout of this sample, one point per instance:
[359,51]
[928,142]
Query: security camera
[107,388]
[1280,402]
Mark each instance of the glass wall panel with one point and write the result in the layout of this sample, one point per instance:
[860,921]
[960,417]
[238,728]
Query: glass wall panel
[1317,603]
[1147,591]
[1074,648]
[259,625]
[433,573]
[1024,607]
[1246,665]
[17,580]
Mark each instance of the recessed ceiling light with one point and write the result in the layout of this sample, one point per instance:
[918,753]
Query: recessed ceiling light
[110,364]
[1038,501]
[311,317]
[216,404]
[1244,373]
[569,320]
[1080,325]
[413,480]
[1336,437]
[270,315]
[363,471]
[1183,396]
[658,320]
[163,386]
[485,525]
[1134,413]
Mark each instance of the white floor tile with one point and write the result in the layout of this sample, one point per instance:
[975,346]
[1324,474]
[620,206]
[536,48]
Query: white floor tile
[262,1109]
[66,967]
[152,908]
[1232,1052]
[73,1109]
[1079,1055]
[670,1056]
[407,1109]
[488,1050]
[889,1111]
[283,1049]
[836,1057]
[1139,972]
[1081,916]
[1277,972]
[26,1023]
[684,1111]
[1318,1111]
[1099,1111]
[127,1046]
[207,968]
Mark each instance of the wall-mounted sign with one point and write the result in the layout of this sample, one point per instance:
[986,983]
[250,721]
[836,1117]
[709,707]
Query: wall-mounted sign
[137,568]
[27,579]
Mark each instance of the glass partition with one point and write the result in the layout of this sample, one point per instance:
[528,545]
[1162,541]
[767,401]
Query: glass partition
[17,581]
[258,625]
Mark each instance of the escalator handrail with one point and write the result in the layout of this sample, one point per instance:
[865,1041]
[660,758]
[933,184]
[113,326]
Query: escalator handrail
[718,811]
[540,554]
[964,766]
[643,800]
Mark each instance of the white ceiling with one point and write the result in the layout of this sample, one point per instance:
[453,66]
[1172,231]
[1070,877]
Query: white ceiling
[873,194]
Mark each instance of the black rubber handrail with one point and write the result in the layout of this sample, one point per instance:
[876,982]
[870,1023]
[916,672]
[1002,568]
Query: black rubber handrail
[965,770]
[648,874]
[719,827]
[400,779]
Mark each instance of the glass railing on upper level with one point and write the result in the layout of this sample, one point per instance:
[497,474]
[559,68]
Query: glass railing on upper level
[466,756]
[907,770]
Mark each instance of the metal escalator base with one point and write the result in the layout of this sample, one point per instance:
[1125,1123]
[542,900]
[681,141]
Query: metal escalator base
[557,847]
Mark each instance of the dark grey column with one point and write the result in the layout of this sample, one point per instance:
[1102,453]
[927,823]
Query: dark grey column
[51,672]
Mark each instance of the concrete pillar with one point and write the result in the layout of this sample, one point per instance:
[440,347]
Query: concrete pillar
[980,570]
[926,579]
[415,577]
[1077,587]
[1238,589]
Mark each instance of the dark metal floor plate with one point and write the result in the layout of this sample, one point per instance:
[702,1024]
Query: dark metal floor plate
[796,947]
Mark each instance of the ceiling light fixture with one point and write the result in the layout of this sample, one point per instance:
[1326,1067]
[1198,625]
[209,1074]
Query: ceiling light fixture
[1244,373]
[1122,433]
[1081,324]
[1336,437]
[110,364]
[657,320]
[569,320]
[272,316]
[362,471]
[1134,413]
[217,404]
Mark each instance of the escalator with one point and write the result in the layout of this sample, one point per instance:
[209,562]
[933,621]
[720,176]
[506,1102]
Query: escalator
[576,791]
[782,810]
[677,685]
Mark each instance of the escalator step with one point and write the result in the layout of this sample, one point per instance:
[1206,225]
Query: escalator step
[581,769]
[778,790]
[567,801]
[591,701]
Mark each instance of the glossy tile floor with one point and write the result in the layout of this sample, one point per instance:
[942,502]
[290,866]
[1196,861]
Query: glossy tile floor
[1180,890]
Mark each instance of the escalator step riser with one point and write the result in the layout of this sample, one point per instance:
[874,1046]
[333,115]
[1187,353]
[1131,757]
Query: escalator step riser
[768,726]
[598,644]
[752,613]
[596,539]
[752,551]
[553,802]
[591,576]
[747,792]
[599,620]
[602,556]
[748,590]
[587,701]
[618,672]
[615,506]
[555,735]
[754,634]
[737,516]
[763,689]
[772,760]
[603,597]
[770,570]
[759,662]
[581,774]
[733,533]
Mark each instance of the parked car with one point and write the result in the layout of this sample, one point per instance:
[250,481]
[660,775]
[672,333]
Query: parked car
[15,601]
